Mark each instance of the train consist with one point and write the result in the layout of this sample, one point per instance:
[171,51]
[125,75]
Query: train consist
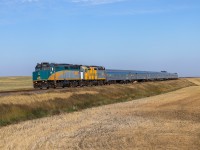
[52,75]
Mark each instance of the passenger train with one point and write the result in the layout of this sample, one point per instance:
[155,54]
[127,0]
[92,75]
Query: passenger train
[53,75]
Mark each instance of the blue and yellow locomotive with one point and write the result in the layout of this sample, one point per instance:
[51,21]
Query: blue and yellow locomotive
[54,75]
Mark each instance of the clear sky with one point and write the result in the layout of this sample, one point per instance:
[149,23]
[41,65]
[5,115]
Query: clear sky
[151,35]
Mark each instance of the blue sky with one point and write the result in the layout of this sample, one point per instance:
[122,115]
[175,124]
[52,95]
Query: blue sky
[149,35]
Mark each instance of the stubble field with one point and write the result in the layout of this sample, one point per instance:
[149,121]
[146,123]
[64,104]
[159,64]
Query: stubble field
[15,83]
[166,121]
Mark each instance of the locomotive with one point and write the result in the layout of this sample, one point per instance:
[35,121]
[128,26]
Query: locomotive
[53,75]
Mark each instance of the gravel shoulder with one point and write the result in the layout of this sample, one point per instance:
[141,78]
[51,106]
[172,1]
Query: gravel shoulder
[167,121]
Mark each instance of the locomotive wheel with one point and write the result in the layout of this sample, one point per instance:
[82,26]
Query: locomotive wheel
[90,83]
[81,84]
[70,84]
[73,84]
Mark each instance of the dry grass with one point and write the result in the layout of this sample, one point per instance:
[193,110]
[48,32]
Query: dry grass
[24,106]
[194,80]
[167,121]
[15,83]
[28,99]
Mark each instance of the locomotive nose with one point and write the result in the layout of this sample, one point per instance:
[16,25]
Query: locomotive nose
[35,75]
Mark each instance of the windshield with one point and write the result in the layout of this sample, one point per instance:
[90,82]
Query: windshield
[43,66]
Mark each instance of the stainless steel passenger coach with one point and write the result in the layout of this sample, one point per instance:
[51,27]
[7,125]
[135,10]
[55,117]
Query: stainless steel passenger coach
[121,76]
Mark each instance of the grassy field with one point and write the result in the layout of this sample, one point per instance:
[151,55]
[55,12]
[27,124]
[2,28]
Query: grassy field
[15,83]
[26,106]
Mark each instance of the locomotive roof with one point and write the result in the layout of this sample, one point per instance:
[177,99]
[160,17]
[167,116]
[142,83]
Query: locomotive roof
[64,64]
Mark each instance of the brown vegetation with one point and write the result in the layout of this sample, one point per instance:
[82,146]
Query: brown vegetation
[15,83]
[167,121]
[25,106]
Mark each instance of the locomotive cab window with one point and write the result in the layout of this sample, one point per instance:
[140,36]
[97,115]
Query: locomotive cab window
[67,68]
[37,69]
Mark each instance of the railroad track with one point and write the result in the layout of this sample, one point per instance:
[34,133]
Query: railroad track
[39,90]
[19,91]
